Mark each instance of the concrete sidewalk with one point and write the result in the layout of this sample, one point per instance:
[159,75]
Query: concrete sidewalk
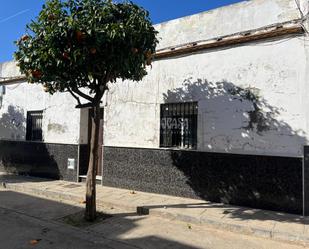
[248,221]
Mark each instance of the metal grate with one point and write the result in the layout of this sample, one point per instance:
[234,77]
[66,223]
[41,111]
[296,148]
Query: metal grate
[34,126]
[179,125]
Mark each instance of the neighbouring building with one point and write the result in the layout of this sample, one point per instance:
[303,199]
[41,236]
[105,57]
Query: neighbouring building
[222,115]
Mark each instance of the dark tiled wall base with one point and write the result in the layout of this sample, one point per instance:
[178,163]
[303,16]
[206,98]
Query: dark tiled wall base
[38,159]
[266,182]
[306,180]
[83,159]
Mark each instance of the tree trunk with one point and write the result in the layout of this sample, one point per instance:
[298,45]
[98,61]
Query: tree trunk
[90,213]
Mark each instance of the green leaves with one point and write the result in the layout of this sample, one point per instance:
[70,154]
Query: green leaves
[85,44]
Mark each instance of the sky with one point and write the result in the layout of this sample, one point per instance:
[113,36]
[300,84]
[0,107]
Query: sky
[15,14]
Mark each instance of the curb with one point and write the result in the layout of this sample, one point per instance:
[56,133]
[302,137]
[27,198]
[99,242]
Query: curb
[47,193]
[222,225]
[144,210]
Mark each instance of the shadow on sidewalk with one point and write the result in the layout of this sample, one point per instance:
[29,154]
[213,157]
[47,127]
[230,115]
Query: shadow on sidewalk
[233,212]
[118,227]
[14,178]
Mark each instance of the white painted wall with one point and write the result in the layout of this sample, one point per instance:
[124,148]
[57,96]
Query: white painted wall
[274,71]
[60,118]
[246,15]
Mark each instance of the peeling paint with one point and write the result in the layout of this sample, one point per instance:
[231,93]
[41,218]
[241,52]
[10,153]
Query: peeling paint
[59,128]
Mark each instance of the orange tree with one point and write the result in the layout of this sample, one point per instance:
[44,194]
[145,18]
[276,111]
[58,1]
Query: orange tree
[80,47]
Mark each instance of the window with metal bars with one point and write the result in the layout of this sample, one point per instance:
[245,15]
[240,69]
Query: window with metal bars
[34,126]
[179,125]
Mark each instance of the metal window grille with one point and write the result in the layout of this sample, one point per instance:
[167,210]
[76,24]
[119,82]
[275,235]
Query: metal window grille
[178,126]
[34,126]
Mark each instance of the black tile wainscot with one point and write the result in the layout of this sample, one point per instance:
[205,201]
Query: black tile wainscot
[306,180]
[266,182]
[38,159]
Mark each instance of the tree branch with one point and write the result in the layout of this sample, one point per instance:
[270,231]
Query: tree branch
[75,97]
[83,95]
[107,76]
[84,105]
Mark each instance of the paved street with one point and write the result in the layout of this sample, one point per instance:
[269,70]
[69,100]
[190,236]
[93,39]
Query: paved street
[243,220]
[31,222]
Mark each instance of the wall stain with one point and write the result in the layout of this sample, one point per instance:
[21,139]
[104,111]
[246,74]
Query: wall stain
[57,128]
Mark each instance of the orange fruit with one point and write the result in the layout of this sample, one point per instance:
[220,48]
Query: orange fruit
[24,37]
[93,50]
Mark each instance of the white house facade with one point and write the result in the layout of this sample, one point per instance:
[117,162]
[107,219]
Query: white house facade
[222,115]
